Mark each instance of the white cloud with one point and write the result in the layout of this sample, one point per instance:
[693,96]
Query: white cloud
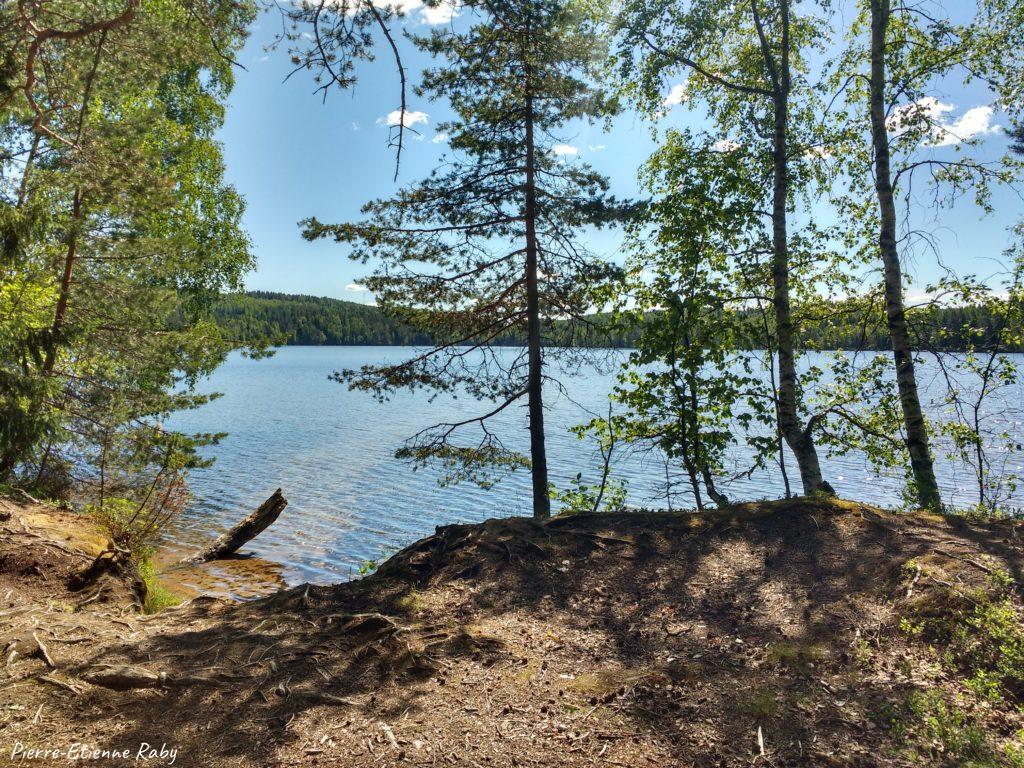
[564,149]
[725,145]
[972,123]
[441,14]
[439,138]
[356,288]
[412,117]
[676,96]
[932,117]
[907,116]
[595,147]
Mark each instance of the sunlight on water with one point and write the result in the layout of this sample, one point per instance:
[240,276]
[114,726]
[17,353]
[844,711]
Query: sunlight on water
[350,500]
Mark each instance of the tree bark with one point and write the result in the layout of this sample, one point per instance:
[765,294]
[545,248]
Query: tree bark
[244,532]
[16,451]
[798,438]
[906,380]
[12,240]
[538,453]
[60,314]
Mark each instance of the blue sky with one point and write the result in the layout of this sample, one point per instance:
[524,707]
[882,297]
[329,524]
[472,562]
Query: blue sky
[292,155]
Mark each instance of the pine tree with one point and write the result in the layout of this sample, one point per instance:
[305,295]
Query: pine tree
[1016,134]
[118,234]
[487,246]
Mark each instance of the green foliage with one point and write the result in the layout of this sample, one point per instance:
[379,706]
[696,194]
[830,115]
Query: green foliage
[1013,752]
[371,564]
[691,389]
[760,705]
[118,234]
[158,597]
[134,524]
[981,381]
[580,496]
[290,319]
[257,316]
[980,633]
[741,225]
[946,730]
[367,567]
[990,647]
[312,321]
[308,320]
[724,58]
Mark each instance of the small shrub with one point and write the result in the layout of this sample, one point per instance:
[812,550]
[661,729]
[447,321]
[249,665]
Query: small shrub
[134,525]
[1013,752]
[862,653]
[798,657]
[580,497]
[949,730]
[370,565]
[158,597]
[981,634]
[991,646]
[760,705]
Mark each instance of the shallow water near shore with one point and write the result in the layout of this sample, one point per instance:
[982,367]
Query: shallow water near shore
[352,502]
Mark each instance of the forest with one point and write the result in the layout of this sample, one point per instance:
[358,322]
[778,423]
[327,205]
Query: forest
[309,320]
[785,225]
[809,280]
[285,319]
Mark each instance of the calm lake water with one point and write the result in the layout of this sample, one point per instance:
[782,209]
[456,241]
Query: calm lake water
[351,500]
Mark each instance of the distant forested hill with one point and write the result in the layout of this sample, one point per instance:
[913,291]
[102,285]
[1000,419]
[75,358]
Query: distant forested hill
[310,320]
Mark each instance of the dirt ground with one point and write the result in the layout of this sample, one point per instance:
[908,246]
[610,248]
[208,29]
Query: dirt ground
[765,634]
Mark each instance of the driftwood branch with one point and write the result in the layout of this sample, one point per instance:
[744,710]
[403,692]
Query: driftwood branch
[245,531]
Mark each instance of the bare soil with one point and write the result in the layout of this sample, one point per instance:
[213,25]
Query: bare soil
[766,634]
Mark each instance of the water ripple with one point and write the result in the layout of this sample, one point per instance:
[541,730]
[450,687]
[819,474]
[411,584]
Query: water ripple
[350,500]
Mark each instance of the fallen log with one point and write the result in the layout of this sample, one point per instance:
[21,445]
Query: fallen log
[244,532]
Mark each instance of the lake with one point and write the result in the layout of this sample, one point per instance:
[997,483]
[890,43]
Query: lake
[351,500]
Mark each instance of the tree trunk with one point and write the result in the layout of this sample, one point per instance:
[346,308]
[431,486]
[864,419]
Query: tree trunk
[694,424]
[538,453]
[244,532]
[799,439]
[60,313]
[12,241]
[906,380]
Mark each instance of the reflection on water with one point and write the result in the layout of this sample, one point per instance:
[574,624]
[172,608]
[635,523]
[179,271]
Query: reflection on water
[350,500]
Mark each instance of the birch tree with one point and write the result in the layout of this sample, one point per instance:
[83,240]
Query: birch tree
[895,135]
[744,62]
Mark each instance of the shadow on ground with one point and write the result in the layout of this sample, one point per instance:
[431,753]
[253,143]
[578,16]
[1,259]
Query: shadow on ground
[763,633]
